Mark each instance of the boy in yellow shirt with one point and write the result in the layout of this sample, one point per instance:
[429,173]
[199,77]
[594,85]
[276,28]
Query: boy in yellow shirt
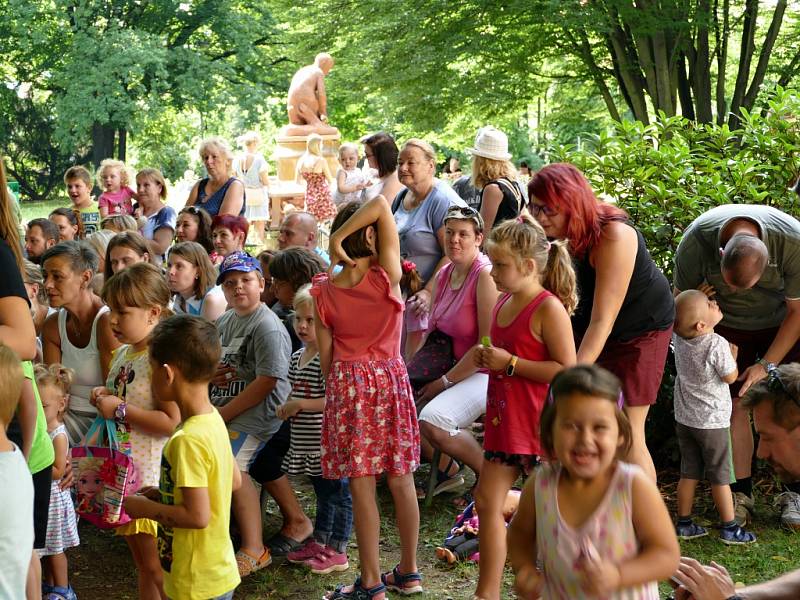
[198,473]
[79,189]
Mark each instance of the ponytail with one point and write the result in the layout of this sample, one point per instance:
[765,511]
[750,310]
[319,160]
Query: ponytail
[559,275]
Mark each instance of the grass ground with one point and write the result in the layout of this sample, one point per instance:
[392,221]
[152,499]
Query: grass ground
[101,567]
[34,210]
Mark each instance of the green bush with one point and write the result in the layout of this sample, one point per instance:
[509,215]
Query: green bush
[669,172]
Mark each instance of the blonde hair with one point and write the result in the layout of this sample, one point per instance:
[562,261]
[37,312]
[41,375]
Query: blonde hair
[141,286]
[422,146]
[485,170]
[98,241]
[314,144]
[110,163]
[347,146]
[78,172]
[33,275]
[154,175]
[247,138]
[303,297]
[523,238]
[8,223]
[119,223]
[11,375]
[221,145]
[57,375]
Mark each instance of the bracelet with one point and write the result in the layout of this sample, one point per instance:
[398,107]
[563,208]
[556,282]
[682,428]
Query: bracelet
[447,383]
[121,411]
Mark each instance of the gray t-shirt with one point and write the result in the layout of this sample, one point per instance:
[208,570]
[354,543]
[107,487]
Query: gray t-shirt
[417,228]
[256,344]
[702,399]
[697,259]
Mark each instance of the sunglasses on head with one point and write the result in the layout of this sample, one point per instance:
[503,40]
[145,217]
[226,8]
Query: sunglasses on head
[466,211]
[776,386]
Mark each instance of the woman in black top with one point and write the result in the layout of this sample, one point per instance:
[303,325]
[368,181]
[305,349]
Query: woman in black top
[500,197]
[624,317]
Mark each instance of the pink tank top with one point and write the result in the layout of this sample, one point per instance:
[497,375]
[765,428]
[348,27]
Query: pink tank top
[365,320]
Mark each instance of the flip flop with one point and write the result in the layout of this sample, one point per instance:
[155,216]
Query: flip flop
[280,545]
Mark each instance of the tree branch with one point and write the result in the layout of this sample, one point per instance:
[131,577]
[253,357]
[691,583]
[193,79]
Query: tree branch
[745,57]
[764,55]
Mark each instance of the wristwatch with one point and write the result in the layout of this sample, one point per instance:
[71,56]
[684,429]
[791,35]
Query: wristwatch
[512,364]
[768,366]
[121,411]
[447,383]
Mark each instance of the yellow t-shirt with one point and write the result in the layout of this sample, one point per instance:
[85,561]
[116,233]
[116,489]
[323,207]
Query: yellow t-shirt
[198,563]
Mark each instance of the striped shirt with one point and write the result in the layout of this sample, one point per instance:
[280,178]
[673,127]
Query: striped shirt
[303,457]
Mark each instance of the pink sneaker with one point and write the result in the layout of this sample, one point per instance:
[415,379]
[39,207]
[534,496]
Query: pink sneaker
[328,561]
[306,552]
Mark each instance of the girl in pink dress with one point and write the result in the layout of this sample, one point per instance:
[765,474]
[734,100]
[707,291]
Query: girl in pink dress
[588,525]
[313,168]
[369,426]
[531,341]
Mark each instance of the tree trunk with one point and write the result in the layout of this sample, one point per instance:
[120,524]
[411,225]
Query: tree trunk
[764,55]
[122,148]
[684,89]
[745,57]
[722,56]
[630,75]
[102,143]
[700,69]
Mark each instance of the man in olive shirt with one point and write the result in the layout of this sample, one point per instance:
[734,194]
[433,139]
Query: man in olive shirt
[748,256]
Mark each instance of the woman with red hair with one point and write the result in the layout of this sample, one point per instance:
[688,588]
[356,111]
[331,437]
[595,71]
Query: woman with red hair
[625,312]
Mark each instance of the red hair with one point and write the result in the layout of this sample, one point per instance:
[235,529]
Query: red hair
[233,223]
[564,188]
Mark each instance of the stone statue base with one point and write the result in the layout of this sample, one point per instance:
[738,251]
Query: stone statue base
[305,130]
[289,148]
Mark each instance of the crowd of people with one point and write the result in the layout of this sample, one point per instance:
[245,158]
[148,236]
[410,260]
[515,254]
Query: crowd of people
[522,307]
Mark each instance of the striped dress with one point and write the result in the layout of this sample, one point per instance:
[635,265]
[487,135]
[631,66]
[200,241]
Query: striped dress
[62,527]
[306,379]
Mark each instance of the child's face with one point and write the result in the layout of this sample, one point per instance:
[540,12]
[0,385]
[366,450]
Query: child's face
[186,228]
[507,275]
[181,275]
[348,159]
[78,191]
[53,402]
[304,323]
[710,311]
[122,256]
[283,291]
[226,242]
[586,435]
[66,230]
[243,290]
[112,179]
[131,324]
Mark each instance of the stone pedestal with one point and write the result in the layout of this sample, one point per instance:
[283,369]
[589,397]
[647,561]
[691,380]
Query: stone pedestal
[291,147]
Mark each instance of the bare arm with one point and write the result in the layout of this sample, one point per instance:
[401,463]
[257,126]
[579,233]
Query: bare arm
[161,421]
[422,299]
[26,413]
[16,327]
[324,342]
[60,447]
[213,307]
[263,175]
[162,238]
[522,545]
[326,170]
[490,202]
[106,343]
[234,199]
[51,341]
[253,394]
[193,513]
[192,199]
[787,336]
[614,260]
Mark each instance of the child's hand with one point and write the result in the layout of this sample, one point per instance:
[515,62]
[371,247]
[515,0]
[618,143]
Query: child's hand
[600,577]
[734,350]
[107,405]
[707,289]
[223,376]
[151,492]
[491,357]
[100,390]
[136,506]
[289,409]
[528,583]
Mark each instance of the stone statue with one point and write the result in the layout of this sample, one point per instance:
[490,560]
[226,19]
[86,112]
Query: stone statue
[307,103]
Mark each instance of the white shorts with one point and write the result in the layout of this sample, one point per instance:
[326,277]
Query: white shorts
[245,448]
[459,406]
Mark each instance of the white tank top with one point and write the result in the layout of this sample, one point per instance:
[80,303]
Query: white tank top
[84,361]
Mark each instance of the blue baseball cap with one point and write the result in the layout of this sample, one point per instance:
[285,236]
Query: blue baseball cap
[238,261]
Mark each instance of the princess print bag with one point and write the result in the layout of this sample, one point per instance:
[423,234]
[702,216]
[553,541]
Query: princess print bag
[104,475]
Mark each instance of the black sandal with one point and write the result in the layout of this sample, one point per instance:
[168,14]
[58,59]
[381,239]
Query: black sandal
[400,581]
[357,593]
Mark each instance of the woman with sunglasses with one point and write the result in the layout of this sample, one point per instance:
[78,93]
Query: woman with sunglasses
[624,317]
[464,295]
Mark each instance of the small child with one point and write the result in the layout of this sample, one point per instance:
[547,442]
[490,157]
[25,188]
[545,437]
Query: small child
[137,297]
[531,341]
[16,493]
[313,167]
[228,233]
[705,365]
[79,189]
[350,180]
[53,382]
[198,474]
[589,526]
[415,324]
[250,383]
[113,177]
[326,551]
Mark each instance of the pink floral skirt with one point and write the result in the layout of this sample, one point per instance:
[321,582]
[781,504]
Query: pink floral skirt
[370,421]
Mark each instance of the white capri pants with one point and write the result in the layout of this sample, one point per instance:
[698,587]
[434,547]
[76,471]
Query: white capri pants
[459,406]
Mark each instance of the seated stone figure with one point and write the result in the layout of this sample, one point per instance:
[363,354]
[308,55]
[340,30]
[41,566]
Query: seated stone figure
[307,103]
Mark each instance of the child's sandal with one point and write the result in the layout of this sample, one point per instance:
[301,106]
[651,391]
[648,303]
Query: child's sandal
[357,593]
[400,582]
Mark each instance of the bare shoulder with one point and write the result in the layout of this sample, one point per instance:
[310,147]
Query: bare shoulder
[618,231]
[50,329]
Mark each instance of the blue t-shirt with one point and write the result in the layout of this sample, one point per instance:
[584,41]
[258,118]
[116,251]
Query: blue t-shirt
[166,217]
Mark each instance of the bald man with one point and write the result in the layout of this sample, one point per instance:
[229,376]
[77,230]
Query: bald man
[300,229]
[748,257]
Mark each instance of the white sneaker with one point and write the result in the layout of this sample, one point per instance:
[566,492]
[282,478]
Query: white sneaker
[790,509]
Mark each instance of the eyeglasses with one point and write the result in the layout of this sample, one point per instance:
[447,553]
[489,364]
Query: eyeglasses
[776,386]
[538,209]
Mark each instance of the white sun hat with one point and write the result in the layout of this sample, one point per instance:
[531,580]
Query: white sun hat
[491,143]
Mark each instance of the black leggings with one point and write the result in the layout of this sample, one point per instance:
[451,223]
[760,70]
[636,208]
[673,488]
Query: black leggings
[267,465]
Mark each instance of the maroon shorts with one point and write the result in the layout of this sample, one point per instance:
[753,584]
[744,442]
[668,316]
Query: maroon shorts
[752,346]
[639,364]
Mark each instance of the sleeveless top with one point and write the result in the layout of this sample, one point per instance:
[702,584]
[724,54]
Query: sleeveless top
[511,204]
[212,204]
[648,304]
[365,320]
[194,305]
[514,404]
[455,312]
[609,530]
[88,374]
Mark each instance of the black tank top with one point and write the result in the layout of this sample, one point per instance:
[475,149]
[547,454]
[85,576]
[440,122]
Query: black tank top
[648,304]
[511,204]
